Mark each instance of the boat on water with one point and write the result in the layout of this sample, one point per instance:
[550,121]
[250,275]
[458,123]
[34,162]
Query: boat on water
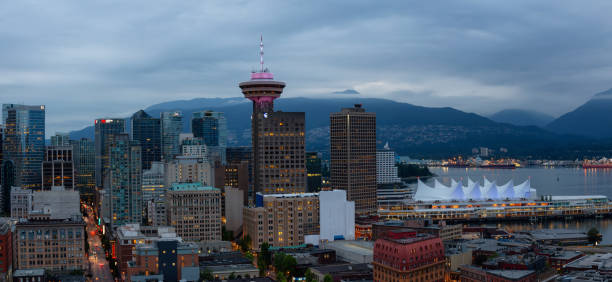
[501,166]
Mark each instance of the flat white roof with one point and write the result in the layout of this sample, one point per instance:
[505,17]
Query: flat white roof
[579,197]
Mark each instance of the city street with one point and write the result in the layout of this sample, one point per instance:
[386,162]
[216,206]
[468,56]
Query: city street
[97,258]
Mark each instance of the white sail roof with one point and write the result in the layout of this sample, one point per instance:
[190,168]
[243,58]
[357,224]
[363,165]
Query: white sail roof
[474,191]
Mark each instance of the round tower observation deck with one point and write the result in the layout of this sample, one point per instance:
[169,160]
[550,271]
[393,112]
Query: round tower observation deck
[262,89]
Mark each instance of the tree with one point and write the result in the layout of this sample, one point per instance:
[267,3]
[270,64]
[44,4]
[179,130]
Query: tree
[264,259]
[206,275]
[285,264]
[226,235]
[593,235]
[280,277]
[232,276]
[245,243]
[310,277]
[328,278]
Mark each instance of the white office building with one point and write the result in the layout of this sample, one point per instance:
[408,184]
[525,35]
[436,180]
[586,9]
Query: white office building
[386,171]
[336,218]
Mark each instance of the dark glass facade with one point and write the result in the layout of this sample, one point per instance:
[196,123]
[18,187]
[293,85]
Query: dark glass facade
[84,158]
[313,171]
[212,127]
[58,168]
[8,181]
[147,131]
[104,131]
[171,128]
[24,142]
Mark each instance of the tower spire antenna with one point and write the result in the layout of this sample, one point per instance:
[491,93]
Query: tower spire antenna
[261,53]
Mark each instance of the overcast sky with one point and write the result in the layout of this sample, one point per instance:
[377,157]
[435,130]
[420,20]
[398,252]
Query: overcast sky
[86,60]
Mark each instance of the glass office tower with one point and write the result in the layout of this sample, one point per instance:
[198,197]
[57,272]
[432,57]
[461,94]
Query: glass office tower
[84,158]
[24,143]
[147,131]
[212,127]
[105,129]
[171,128]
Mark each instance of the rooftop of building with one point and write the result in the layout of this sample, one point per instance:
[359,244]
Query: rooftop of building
[560,254]
[509,274]
[231,268]
[258,279]
[225,258]
[600,261]
[523,259]
[579,197]
[135,231]
[557,234]
[345,267]
[28,272]
[360,247]
[290,195]
[489,245]
[586,276]
[410,240]
[196,186]
[68,221]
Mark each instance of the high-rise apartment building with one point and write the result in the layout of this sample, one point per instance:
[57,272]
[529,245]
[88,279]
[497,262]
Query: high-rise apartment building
[195,211]
[189,170]
[60,139]
[58,168]
[124,186]
[147,131]
[84,158]
[278,138]
[313,169]
[194,147]
[104,131]
[353,156]
[404,255]
[281,220]
[212,128]
[171,128]
[386,170]
[154,182]
[24,143]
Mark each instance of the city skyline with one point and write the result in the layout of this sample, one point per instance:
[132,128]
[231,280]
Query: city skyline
[472,57]
[372,166]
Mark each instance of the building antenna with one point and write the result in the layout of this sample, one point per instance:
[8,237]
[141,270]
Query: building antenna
[261,53]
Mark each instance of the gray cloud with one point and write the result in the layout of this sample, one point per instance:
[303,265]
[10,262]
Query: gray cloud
[86,60]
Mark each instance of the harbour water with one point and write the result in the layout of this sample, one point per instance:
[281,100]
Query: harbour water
[547,181]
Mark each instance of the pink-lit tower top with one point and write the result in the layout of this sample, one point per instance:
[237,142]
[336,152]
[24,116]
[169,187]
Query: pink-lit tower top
[262,89]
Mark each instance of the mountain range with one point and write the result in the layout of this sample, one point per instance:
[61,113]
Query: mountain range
[410,130]
[592,119]
[522,117]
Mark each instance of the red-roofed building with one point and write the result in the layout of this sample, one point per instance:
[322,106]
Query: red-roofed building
[404,255]
[6,249]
